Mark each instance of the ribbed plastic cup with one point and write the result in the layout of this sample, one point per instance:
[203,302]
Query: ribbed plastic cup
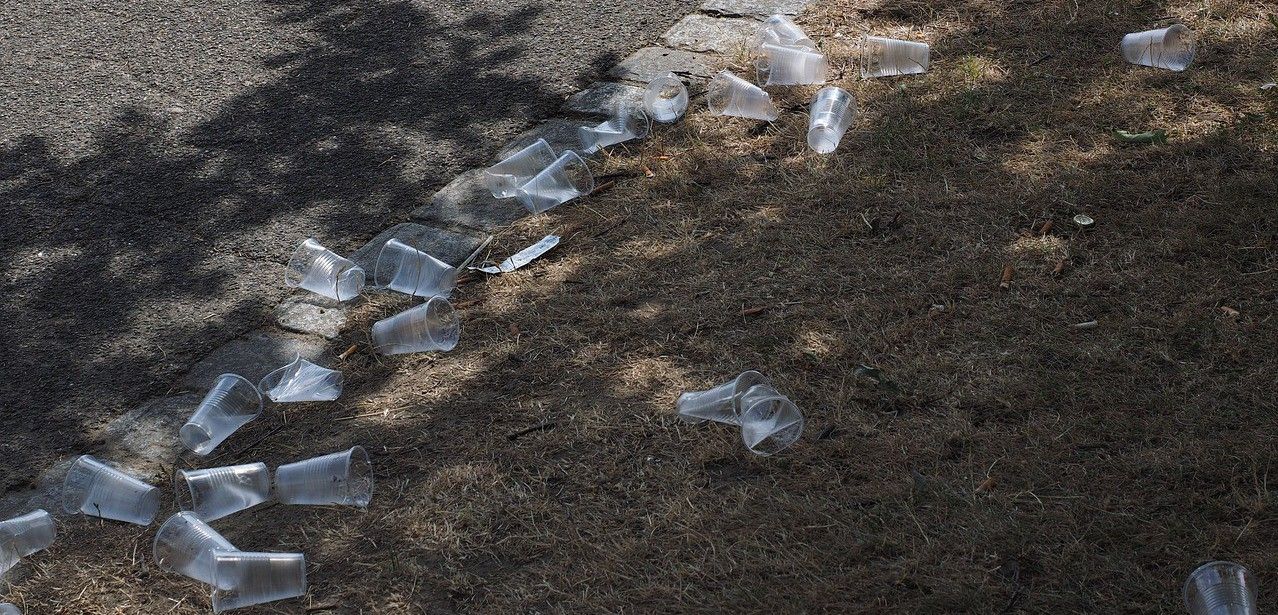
[9,609]
[242,578]
[666,98]
[1171,48]
[213,493]
[783,65]
[565,179]
[321,271]
[22,536]
[430,327]
[779,30]
[888,57]
[728,94]
[770,422]
[720,404]
[830,114]
[99,490]
[1220,588]
[627,122]
[301,381]
[504,178]
[344,478]
[232,402]
[405,269]
[185,545]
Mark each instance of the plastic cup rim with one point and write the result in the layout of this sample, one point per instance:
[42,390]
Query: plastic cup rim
[249,384]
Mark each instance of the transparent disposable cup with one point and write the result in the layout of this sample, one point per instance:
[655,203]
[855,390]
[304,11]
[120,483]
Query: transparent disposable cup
[242,578]
[405,269]
[213,493]
[728,94]
[99,490]
[721,403]
[344,477]
[567,178]
[504,178]
[779,30]
[627,122]
[430,327]
[770,422]
[830,114]
[22,536]
[666,98]
[321,271]
[229,404]
[7,608]
[1220,588]
[887,57]
[301,381]
[185,545]
[783,65]
[1171,48]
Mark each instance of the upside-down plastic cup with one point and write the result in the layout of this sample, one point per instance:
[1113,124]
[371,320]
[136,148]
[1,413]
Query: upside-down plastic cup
[829,116]
[779,30]
[185,545]
[323,272]
[405,269]
[887,57]
[430,327]
[728,94]
[565,179]
[7,608]
[242,578]
[1220,588]
[666,98]
[344,478]
[301,381]
[99,490]
[770,422]
[782,65]
[229,404]
[1171,48]
[22,536]
[721,404]
[627,122]
[213,493]
[504,178]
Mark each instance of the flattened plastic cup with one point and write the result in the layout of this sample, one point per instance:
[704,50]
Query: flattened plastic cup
[504,178]
[99,490]
[9,609]
[770,422]
[405,269]
[888,57]
[232,402]
[627,122]
[430,327]
[185,545]
[782,65]
[1171,48]
[1220,588]
[830,114]
[720,404]
[728,94]
[344,478]
[321,271]
[666,98]
[301,381]
[22,536]
[779,30]
[213,493]
[567,178]
[242,578]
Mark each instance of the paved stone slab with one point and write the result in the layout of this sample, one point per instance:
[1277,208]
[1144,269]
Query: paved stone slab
[703,33]
[147,436]
[466,202]
[254,355]
[452,247]
[651,62]
[311,313]
[560,133]
[603,98]
[755,8]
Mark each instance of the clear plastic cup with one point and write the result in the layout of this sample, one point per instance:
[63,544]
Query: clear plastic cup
[779,30]
[1220,588]
[567,178]
[343,478]
[887,57]
[504,178]
[728,94]
[242,578]
[321,271]
[1171,48]
[627,122]
[666,98]
[720,404]
[405,269]
[301,381]
[229,404]
[770,422]
[22,536]
[185,545]
[213,493]
[99,490]
[7,608]
[782,65]
[430,327]
[831,113]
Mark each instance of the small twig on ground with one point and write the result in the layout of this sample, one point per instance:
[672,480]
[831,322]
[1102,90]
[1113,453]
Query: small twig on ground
[361,416]
[604,187]
[1047,228]
[535,428]
[759,309]
[1043,58]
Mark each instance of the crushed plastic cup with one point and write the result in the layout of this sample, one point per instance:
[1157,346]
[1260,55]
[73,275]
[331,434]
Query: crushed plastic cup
[728,94]
[242,578]
[888,57]
[565,179]
[185,544]
[213,493]
[779,30]
[99,490]
[504,178]
[7,608]
[344,478]
[782,65]
[301,381]
[22,536]
[830,114]
[1171,48]
[770,422]
[721,404]
[1220,588]
[405,269]
[666,98]
[229,404]
[323,272]
[430,327]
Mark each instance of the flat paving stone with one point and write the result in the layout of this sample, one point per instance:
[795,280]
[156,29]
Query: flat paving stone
[651,62]
[254,355]
[560,133]
[704,33]
[312,314]
[604,98]
[466,202]
[147,436]
[755,8]
[452,247]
